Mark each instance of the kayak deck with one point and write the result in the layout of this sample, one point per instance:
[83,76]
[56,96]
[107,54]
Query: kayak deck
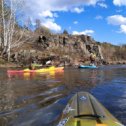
[84,110]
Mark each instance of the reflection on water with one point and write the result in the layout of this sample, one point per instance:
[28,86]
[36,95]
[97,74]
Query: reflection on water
[38,99]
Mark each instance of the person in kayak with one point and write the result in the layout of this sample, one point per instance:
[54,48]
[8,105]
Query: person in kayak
[31,66]
[92,58]
[34,66]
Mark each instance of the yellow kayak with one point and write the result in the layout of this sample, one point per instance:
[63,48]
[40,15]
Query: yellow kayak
[52,68]
[84,110]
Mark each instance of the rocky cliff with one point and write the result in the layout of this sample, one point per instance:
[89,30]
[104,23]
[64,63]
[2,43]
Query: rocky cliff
[59,48]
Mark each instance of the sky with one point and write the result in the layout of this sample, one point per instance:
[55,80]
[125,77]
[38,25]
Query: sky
[104,20]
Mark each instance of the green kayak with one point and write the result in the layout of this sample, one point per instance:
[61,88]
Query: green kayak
[84,110]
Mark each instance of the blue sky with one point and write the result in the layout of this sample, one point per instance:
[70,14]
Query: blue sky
[104,20]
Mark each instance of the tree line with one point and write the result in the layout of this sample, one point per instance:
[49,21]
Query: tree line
[12,33]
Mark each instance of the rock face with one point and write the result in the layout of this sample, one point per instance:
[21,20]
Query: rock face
[60,49]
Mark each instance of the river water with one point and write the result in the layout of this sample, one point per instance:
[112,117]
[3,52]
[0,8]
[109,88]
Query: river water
[39,99]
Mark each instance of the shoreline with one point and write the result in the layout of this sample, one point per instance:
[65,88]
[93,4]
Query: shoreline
[9,65]
[123,62]
[13,65]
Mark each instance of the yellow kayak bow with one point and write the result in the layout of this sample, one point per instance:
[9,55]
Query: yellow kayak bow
[84,110]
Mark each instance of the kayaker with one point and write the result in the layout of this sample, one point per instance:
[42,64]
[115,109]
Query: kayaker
[31,67]
[92,58]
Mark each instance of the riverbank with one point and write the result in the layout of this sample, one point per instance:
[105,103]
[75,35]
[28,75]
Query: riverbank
[64,49]
[5,64]
[117,62]
[9,65]
[14,65]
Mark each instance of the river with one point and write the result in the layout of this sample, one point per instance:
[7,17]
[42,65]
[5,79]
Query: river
[39,99]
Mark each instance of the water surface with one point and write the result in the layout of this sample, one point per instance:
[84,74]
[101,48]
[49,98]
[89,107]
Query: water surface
[38,100]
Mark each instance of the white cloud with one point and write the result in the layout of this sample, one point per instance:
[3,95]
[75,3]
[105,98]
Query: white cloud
[85,32]
[116,20]
[46,13]
[98,17]
[75,22]
[103,5]
[52,25]
[119,2]
[46,10]
[55,15]
[123,29]
[78,10]
[58,5]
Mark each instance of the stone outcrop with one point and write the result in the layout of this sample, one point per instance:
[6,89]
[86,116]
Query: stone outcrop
[59,48]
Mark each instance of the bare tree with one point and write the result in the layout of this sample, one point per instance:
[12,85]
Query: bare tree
[38,23]
[9,9]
